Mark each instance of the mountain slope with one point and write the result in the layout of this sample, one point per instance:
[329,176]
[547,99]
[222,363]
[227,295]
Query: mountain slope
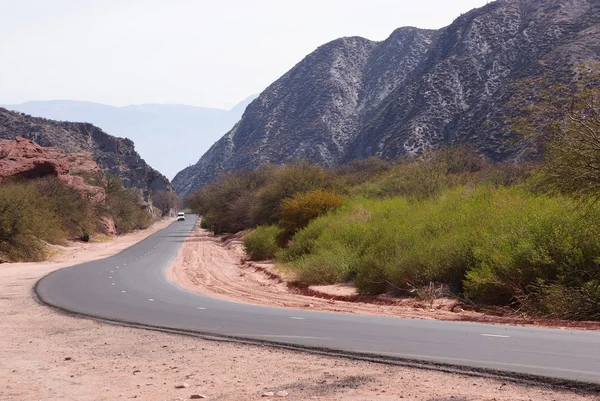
[115,156]
[418,89]
[168,136]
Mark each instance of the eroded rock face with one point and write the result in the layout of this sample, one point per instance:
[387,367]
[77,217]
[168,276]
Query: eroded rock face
[419,89]
[24,159]
[115,156]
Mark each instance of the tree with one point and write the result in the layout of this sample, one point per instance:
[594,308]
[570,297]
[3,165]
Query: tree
[165,201]
[562,120]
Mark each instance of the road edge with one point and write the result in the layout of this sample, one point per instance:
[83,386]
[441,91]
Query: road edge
[579,387]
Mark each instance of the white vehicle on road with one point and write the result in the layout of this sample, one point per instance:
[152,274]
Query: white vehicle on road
[180,216]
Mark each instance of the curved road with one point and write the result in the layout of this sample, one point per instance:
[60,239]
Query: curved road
[131,287]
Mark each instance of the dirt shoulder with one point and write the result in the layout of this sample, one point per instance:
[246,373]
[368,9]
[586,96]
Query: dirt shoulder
[212,266]
[46,355]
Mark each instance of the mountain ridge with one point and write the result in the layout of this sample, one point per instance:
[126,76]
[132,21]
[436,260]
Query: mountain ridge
[168,136]
[116,156]
[417,90]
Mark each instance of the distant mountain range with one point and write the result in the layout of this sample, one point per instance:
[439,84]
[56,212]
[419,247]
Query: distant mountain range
[419,89]
[168,136]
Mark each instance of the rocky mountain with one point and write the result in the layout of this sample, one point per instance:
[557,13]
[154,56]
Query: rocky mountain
[418,89]
[169,136]
[25,159]
[115,156]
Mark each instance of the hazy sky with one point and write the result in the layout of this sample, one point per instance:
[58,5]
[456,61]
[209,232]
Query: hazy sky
[198,52]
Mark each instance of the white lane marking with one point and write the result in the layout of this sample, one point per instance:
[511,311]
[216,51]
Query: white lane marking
[123,291]
[112,283]
[201,308]
[109,276]
[495,335]
[150,299]
[112,271]
[298,318]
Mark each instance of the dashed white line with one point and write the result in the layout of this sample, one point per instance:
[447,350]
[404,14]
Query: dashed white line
[495,335]
[150,299]
[112,283]
[112,271]
[298,318]
[201,308]
[123,291]
[109,276]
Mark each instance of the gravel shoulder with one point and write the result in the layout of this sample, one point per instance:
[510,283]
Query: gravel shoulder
[46,355]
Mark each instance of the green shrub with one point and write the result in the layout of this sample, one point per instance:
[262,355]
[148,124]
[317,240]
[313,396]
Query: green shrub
[333,243]
[46,211]
[532,243]
[558,301]
[328,266]
[227,201]
[497,244]
[204,223]
[75,212]
[415,179]
[284,183]
[298,211]
[261,243]
[125,206]
[396,243]
[360,171]
[26,222]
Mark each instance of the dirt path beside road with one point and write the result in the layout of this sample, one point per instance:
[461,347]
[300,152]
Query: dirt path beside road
[212,266]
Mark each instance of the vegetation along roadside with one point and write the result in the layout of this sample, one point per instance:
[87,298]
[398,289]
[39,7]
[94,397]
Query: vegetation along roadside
[519,234]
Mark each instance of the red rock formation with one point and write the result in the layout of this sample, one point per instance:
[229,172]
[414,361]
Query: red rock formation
[23,158]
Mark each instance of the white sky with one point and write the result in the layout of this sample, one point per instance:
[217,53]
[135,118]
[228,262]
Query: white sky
[209,53]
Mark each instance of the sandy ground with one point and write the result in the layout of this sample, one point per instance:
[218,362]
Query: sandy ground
[213,266]
[46,355]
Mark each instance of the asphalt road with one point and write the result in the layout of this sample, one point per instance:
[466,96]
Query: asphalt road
[131,287]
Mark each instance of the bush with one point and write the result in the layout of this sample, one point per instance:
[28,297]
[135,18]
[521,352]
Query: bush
[226,202]
[284,183]
[328,266]
[395,243]
[75,212]
[261,243]
[532,243]
[413,179]
[165,201]
[204,223]
[37,212]
[125,206]
[329,249]
[360,171]
[298,211]
[562,302]
[26,222]
[497,245]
